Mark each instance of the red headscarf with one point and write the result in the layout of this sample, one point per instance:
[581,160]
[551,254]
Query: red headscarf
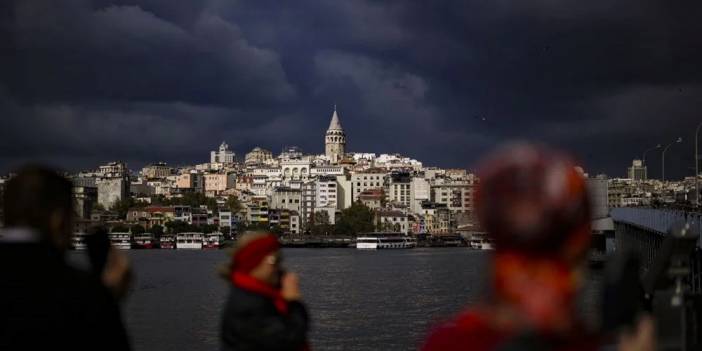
[534,204]
[246,259]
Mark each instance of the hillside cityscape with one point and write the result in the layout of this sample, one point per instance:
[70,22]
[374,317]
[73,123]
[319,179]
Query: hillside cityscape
[295,193]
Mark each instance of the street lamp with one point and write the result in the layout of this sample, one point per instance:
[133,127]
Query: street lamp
[697,168]
[679,140]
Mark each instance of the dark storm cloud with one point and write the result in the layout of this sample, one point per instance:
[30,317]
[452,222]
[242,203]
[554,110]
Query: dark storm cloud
[83,82]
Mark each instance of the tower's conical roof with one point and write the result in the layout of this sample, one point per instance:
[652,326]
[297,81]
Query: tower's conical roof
[335,124]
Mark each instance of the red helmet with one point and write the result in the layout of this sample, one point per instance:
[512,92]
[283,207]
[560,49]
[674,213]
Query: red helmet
[533,200]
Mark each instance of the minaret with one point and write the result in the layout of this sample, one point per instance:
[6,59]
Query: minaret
[335,141]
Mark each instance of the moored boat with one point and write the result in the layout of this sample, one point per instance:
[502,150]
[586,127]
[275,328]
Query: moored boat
[144,241]
[78,241]
[190,240]
[121,240]
[167,241]
[213,240]
[385,240]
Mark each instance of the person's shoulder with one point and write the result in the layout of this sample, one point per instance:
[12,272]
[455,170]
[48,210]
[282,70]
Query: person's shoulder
[242,299]
[469,330]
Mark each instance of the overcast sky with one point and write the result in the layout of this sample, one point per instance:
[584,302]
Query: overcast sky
[85,82]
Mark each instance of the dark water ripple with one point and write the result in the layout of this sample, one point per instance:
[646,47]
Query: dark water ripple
[358,300]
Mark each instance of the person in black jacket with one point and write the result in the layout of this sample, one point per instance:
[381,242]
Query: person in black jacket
[43,301]
[264,309]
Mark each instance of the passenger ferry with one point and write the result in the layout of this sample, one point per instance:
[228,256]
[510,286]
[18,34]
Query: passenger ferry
[144,241]
[385,240]
[167,241]
[481,242]
[213,240]
[121,240]
[190,240]
[78,241]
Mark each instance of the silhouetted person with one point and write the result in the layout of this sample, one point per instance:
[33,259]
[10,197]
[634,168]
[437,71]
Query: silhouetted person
[533,203]
[264,309]
[43,301]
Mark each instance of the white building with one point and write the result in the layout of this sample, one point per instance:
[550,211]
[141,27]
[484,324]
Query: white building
[295,169]
[457,195]
[344,191]
[327,170]
[637,171]
[399,189]
[370,179]
[326,196]
[393,221]
[224,155]
[295,225]
[225,218]
[420,191]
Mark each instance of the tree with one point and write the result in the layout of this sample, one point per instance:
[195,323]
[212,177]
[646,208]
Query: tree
[175,227]
[277,230]
[208,228]
[138,229]
[192,200]
[320,223]
[257,226]
[356,219]
[157,230]
[122,206]
[233,204]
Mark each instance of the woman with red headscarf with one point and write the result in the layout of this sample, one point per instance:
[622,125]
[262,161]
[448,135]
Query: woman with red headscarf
[264,310]
[533,202]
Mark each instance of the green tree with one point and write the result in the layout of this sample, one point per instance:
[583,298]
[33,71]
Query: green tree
[175,227]
[157,230]
[138,229]
[123,205]
[277,230]
[192,200]
[258,226]
[208,228]
[233,204]
[320,224]
[356,219]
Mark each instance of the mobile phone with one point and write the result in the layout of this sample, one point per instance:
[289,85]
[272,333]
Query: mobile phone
[98,244]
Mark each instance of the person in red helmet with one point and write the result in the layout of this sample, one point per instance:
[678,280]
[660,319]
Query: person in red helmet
[533,202]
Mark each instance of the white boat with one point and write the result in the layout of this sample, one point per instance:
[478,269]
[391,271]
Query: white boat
[487,245]
[481,242]
[78,241]
[384,240]
[189,240]
[213,240]
[144,241]
[121,240]
[167,241]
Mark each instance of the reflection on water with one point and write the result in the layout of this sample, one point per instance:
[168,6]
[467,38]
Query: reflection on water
[359,300]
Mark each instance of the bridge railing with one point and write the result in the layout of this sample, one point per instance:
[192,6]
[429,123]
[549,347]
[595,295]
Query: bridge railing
[656,223]
[655,219]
